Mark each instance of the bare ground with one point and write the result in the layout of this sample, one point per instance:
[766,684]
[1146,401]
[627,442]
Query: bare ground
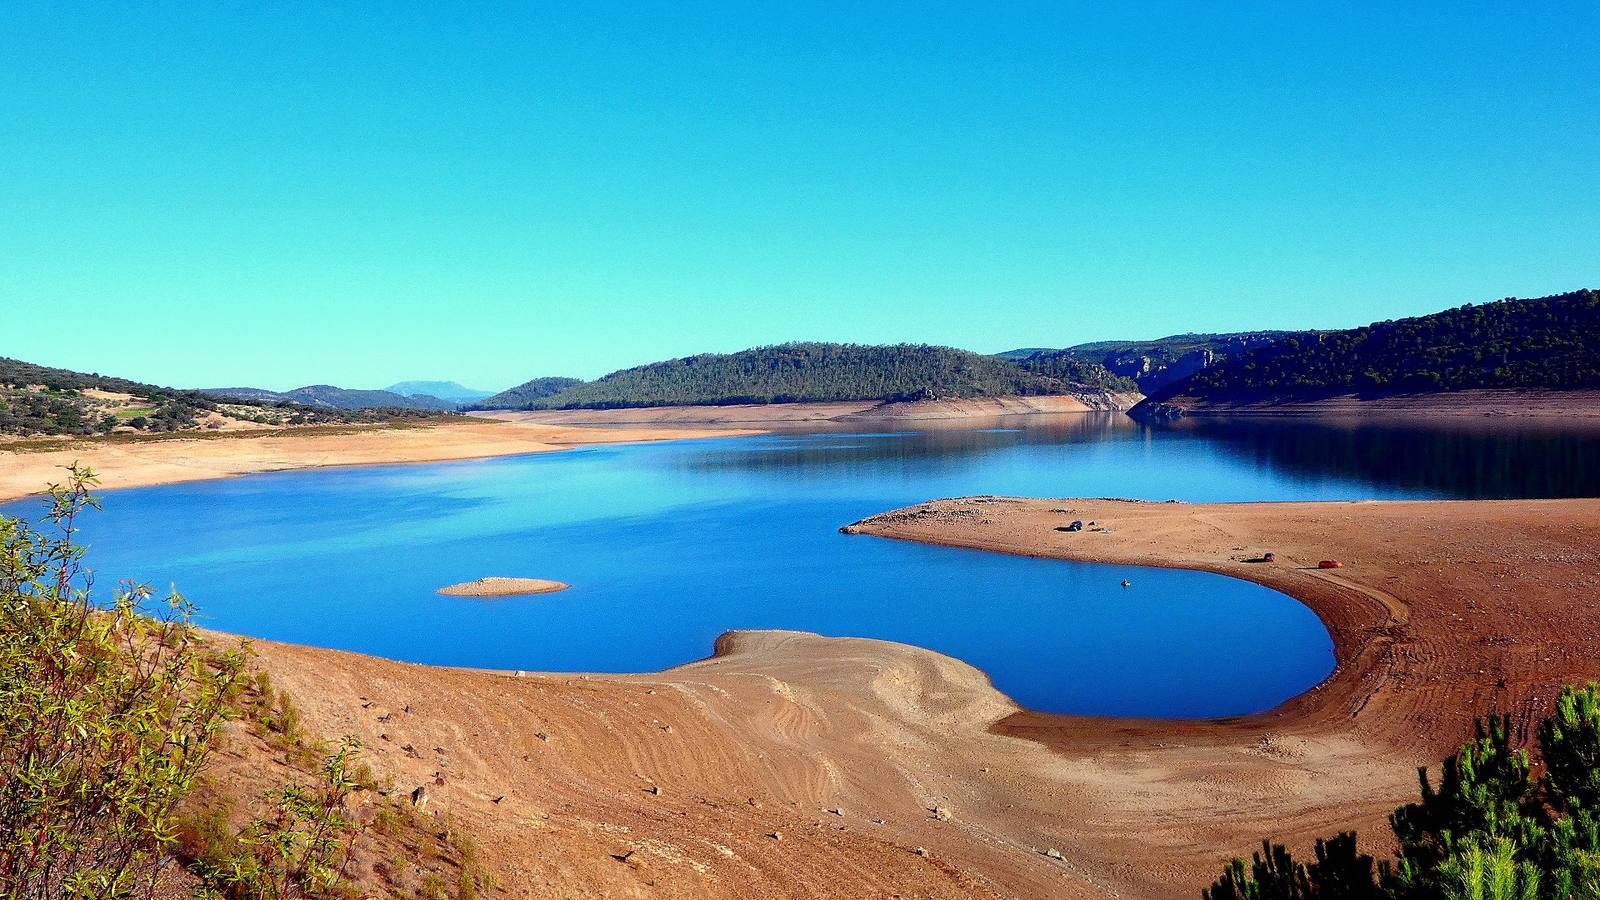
[27,466]
[760,414]
[857,753]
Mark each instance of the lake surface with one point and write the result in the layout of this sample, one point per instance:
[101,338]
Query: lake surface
[668,545]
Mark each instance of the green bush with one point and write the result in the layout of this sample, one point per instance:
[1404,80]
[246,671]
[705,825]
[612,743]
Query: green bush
[299,848]
[106,715]
[1489,830]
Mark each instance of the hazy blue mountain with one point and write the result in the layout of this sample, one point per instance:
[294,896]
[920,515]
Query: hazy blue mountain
[444,390]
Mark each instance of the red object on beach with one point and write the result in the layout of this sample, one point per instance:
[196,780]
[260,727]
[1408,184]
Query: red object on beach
[1330,564]
[1270,557]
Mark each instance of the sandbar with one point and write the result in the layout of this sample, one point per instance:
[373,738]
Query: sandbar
[497,586]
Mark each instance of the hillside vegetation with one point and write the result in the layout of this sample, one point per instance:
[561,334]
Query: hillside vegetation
[142,758]
[327,396]
[1492,828]
[37,399]
[524,395]
[1153,364]
[816,372]
[1140,368]
[1550,343]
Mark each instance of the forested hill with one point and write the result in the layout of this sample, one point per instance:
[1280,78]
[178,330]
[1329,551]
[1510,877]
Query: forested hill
[524,395]
[1550,342]
[802,372]
[1152,364]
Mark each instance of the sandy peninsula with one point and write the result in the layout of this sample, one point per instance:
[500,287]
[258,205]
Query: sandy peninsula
[795,765]
[26,466]
[497,586]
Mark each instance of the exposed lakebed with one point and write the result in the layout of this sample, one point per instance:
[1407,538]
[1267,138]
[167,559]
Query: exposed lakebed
[668,545]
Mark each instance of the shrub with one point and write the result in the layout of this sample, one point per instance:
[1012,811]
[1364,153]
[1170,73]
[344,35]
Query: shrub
[300,848]
[1489,830]
[106,714]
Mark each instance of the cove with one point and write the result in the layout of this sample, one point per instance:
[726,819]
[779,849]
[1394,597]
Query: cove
[668,545]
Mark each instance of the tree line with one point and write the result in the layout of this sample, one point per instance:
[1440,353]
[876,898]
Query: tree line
[1549,342]
[819,372]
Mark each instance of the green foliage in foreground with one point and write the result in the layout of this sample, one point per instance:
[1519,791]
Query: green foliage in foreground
[300,848]
[1489,830]
[815,372]
[107,714]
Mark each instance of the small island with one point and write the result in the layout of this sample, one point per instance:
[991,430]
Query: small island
[495,586]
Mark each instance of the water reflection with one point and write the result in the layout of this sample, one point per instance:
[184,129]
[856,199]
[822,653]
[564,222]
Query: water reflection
[1466,458]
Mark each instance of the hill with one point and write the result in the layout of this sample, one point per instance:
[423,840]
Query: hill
[37,399]
[1549,343]
[326,396]
[1154,364]
[444,390]
[524,395]
[356,398]
[817,372]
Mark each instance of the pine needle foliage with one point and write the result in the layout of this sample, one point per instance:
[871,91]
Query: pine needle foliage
[1490,829]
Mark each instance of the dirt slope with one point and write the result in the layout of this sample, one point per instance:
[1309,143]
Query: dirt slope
[1442,611]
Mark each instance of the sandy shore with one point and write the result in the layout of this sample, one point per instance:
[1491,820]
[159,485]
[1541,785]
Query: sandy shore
[495,586]
[1443,611]
[844,411]
[26,469]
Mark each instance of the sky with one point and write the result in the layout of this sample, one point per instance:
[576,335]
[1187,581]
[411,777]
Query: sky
[274,195]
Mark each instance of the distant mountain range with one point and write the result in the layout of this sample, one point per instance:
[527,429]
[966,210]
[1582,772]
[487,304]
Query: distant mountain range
[1545,343]
[329,397]
[37,399]
[443,396]
[812,372]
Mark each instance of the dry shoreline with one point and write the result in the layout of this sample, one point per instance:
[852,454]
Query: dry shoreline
[168,460]
[27,465]
[1579,405]
[857,752]
[768,414]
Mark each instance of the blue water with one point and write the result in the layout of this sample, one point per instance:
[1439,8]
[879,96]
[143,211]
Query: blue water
[668,545]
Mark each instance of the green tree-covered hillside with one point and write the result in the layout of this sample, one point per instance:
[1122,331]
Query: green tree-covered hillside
[812,372]
[527,393]
[1550,342]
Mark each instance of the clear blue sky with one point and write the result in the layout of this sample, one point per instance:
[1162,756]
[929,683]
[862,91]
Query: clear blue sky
[279,194]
